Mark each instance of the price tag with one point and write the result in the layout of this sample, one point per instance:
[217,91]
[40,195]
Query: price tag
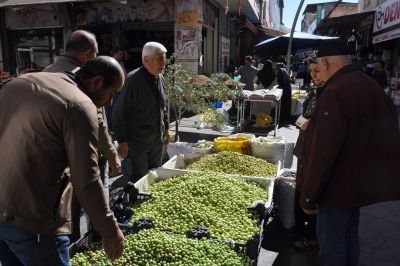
[187,18]
[300,82]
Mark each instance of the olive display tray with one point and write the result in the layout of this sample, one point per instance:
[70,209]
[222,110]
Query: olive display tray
[265,212]
[177,162]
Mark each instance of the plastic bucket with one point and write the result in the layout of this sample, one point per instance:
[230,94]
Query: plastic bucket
[218,104]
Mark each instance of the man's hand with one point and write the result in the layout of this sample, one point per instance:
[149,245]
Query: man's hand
[304,126]
[123,149]
[115,165]
[310,212]
[166,137]
[114,246]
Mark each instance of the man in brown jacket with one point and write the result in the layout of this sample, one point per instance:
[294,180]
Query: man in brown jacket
[82,46]
[48,122]
[350,154]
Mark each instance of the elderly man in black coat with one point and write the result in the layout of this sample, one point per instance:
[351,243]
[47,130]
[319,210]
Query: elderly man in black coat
[140,121]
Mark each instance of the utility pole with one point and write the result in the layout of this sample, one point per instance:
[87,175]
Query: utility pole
[289,51]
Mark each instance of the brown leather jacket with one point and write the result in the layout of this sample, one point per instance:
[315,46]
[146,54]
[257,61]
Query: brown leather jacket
[351,149]
[48,123]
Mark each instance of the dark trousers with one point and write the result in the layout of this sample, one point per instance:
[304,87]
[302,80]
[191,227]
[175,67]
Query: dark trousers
[19,247]
[76,207]
[337,231]
[143,155]
[310,230]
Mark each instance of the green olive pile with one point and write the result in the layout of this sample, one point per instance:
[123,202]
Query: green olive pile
[215,200]
[233,163]
[199,145]
[266,140]
[151,247]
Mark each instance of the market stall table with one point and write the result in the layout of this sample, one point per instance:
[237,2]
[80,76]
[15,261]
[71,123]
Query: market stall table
[241,110]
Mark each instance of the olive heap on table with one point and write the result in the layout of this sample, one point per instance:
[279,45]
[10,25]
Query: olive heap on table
[233,163]
[152,247]
[215,200]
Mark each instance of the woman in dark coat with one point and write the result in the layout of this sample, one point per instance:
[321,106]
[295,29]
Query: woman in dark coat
[266,75]
[284,84]
[310,239]
[265,79]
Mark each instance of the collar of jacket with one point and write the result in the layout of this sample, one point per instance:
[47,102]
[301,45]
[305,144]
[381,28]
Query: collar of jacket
[73,77]
[154,78]
[71,60]
[343,70]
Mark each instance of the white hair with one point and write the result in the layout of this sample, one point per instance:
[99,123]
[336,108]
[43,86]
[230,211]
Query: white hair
[151,48]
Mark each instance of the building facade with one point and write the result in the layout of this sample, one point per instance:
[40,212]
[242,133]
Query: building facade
[314,13]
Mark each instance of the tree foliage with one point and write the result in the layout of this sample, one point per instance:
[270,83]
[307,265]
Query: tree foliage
[197,98]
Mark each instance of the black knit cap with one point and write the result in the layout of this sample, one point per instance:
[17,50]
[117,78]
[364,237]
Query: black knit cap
[333,48]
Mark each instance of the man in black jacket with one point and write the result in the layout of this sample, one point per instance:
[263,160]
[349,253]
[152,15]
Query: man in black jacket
[139,119]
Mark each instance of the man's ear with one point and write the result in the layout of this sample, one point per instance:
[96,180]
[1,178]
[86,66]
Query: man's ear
[97,82]
[146,59]
[324,64]
[87,54]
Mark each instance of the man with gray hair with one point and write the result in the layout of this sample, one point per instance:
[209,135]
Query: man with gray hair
[349,151]
[140,121]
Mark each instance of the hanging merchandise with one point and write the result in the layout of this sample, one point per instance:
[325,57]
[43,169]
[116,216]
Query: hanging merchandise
[226,8]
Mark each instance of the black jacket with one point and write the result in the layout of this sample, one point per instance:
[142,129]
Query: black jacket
[140,113]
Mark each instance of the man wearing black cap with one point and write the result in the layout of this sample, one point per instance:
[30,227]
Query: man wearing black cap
[349,154]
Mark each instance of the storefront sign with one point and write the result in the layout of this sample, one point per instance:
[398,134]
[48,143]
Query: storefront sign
[226,50]
[31,17]
[319,12]
[386,36]
[188,18]
[387,15]
[134,10]
[250,26]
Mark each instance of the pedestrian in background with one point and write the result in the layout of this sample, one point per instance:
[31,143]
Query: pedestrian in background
[118,55]
[247,72]
[379,75]
[349,153]
[284,83]
[265,79]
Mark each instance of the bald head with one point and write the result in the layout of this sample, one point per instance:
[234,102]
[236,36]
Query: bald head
[81,46]
[331,64]
[332,55]
[102,77]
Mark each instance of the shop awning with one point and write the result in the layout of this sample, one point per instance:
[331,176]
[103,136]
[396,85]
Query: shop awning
[343,24]
[17,3]
[279,45]
[272,32]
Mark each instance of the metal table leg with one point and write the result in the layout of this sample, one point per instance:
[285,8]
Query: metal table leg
[237,115]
